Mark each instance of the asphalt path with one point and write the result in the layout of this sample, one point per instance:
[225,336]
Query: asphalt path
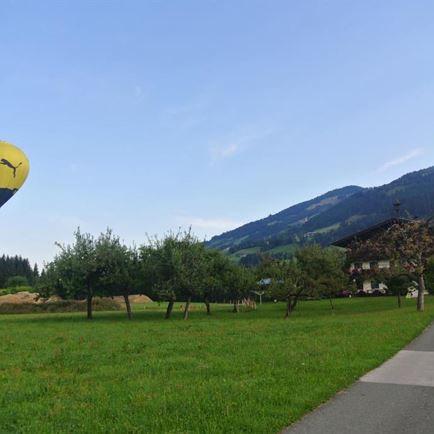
[396,398]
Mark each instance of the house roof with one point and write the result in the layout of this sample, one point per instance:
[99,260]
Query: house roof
[368,232]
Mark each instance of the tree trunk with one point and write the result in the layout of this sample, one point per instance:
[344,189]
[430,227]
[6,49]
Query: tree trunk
[331,302]
[288,308]
[236,306]
[421,294]
[127,305]
[187,307]
[89,306]
[294,303]
[208,307]
[169,308]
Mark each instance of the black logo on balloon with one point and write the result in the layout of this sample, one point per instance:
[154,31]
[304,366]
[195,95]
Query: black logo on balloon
[10,165]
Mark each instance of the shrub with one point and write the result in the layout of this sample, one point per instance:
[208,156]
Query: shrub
[16,281]
[6,291]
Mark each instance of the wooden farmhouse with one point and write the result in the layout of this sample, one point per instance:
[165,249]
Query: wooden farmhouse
[364,268]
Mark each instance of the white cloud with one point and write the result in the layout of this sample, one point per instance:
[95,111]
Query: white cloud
[186,115]
[226,151]
[401,160]
[239,142]
[213,224]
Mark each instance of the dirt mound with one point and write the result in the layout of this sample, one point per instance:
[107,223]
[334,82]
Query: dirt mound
[140,299]
[33,298]
[134,299]
[59,306]
[19,298]
[53,299]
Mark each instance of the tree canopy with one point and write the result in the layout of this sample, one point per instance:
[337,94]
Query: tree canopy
[179,267]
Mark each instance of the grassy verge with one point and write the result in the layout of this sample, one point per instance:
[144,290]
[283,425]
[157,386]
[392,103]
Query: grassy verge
[252,372]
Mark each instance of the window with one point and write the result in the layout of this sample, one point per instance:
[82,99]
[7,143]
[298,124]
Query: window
[375,284]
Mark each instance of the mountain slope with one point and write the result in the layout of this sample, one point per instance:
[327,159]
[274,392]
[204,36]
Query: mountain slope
[334,215]
[290,218]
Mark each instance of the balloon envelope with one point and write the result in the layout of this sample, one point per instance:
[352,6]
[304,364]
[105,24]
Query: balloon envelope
[14,168]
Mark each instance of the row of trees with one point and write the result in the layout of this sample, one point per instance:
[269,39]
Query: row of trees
[179,267]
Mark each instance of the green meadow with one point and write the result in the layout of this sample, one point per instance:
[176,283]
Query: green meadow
[251,372]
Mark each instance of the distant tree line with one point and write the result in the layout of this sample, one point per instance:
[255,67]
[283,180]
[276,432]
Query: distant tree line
[179,267]
[15,270]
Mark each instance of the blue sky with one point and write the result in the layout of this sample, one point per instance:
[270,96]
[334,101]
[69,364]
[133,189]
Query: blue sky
[149,115]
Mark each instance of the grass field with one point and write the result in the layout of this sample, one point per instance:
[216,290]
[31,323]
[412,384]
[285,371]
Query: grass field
[248,373]
[287,248]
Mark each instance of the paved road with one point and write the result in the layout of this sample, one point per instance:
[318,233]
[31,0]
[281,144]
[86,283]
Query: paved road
[396,398]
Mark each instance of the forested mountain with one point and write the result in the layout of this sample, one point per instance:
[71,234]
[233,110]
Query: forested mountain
[290,218]
[334,215]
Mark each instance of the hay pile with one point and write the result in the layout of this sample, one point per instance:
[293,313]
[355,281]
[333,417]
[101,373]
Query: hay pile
[28,302]
[134,299]
[20,298]
[34,298]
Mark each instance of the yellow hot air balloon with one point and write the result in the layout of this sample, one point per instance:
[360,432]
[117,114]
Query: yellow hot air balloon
[14,168]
